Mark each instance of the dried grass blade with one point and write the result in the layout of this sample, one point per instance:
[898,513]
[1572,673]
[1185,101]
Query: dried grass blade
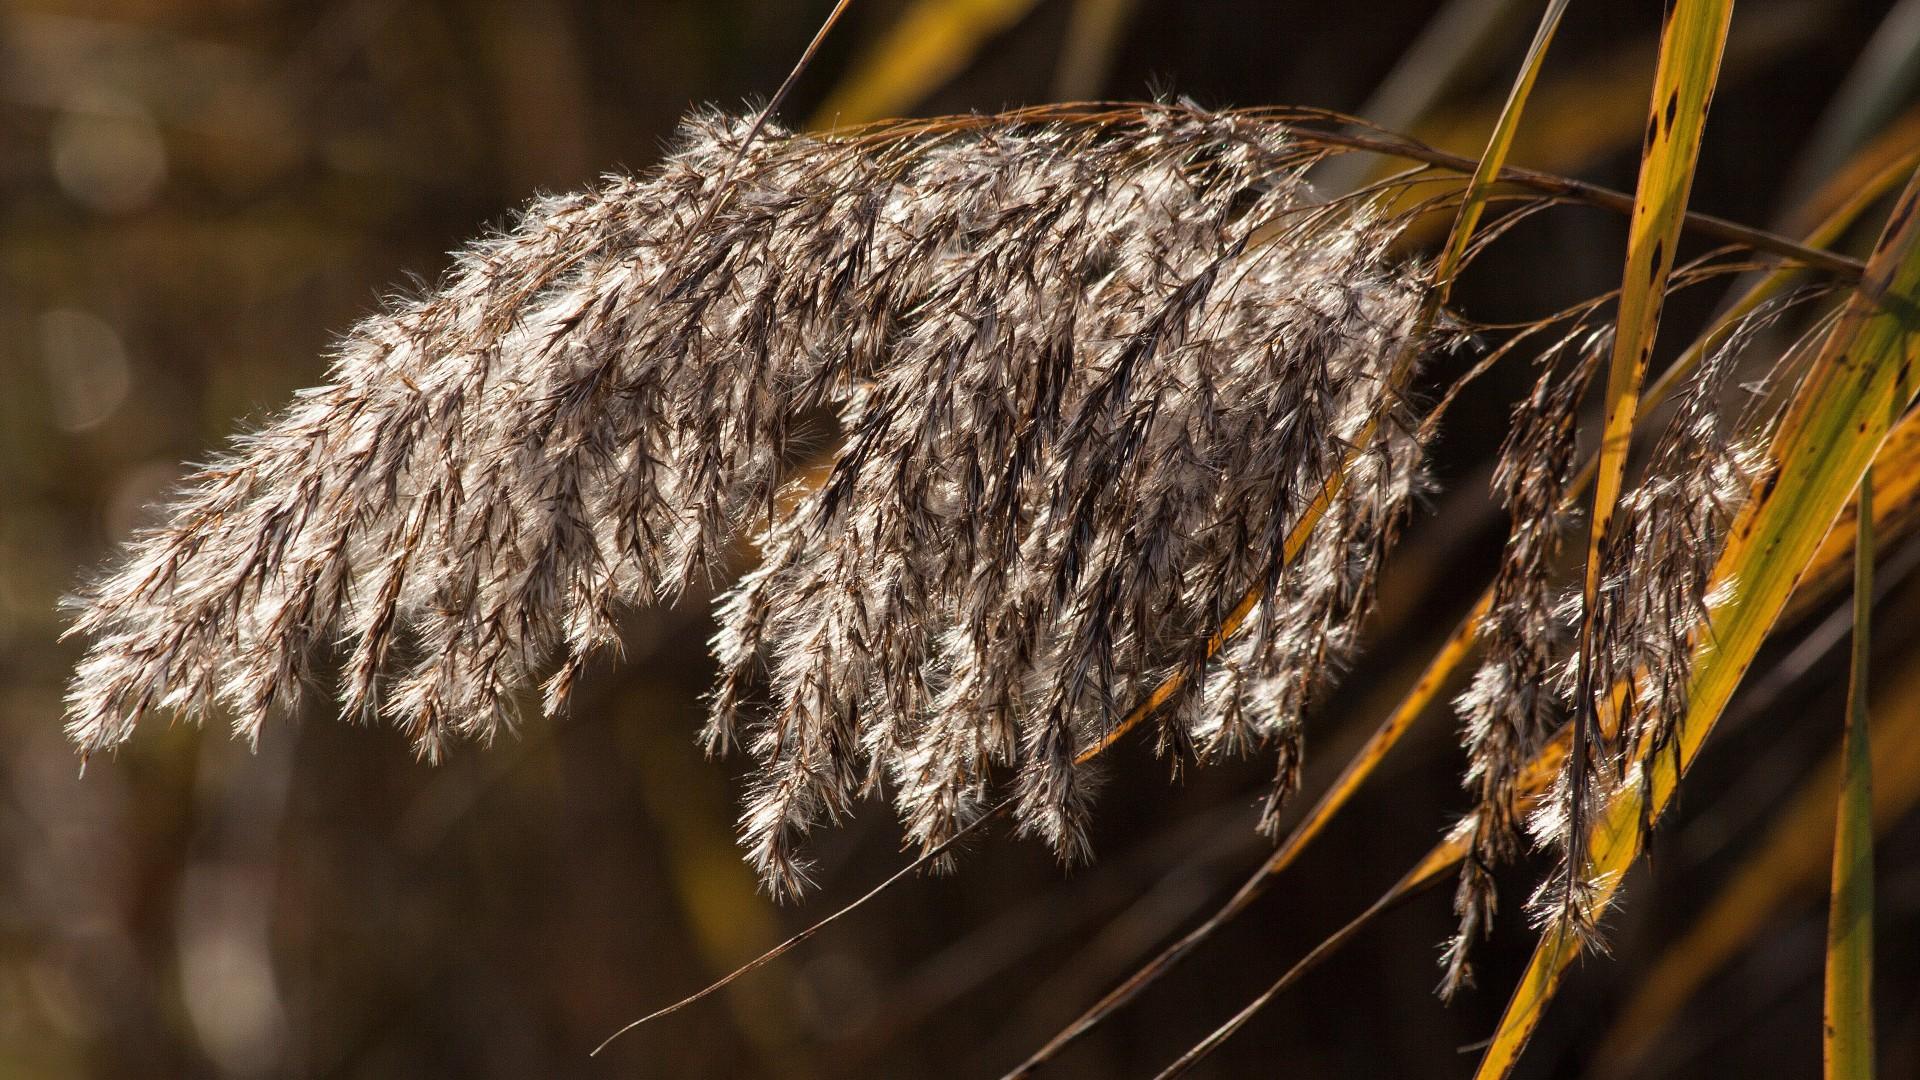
[1848,1032]
[1862,380]
[793,76]
[1547,183]
[1487,172]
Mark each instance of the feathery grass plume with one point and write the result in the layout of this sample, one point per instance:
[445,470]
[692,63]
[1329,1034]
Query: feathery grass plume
[1655,572]
[1653,600]
[1510,705]
[1081,408]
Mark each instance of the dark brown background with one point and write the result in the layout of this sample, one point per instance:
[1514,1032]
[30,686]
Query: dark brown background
[195,197]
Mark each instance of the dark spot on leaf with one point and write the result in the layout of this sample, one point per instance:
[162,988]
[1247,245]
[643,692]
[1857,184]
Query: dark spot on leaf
[1900,215]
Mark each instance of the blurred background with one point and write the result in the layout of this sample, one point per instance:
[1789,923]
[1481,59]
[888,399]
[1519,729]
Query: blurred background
[195,197]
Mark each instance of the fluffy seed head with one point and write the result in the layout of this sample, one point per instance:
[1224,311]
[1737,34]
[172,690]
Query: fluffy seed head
[1087,372]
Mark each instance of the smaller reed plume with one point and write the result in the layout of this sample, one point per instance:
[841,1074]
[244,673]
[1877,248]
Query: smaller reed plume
[1653,604]
[1653,608]
[1511,705]
[1089,370]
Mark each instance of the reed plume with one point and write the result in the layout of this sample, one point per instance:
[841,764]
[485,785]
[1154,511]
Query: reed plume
[1654,603]
[1656,568]
[1511,707]
[1087,371]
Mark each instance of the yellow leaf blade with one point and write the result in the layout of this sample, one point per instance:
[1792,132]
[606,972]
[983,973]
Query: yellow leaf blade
[1460,643]
[1797,850]
[1691,45]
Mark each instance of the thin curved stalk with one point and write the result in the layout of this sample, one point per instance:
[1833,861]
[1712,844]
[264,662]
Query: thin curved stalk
[1356,772]
[1326,128]
[1426,873]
